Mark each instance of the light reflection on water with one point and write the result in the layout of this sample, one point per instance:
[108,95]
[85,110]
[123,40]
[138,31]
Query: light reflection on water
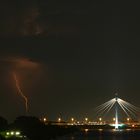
[127,134]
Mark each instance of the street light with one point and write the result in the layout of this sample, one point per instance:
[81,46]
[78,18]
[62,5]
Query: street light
[128,119]
[17,133]
[12,133]
[59,119]
[44,119]
[100,119]
[86,119]
[72,119]
[78,122]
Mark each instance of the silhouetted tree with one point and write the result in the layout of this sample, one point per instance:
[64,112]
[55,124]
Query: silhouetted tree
[3,123]
[2,138]
[27,121]
[32,127]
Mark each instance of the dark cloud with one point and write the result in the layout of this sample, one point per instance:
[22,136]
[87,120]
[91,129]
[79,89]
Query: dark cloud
[20,19]
[50,18]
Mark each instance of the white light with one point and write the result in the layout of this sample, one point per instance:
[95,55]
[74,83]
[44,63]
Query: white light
[59,119]
[7,133]
[44,119]
[12,133]
[72,119]
[17,133]
[128,119]
[100,119]
[86,130]
[86,119]
[115,125]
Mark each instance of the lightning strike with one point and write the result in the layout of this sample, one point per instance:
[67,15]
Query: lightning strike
[20,92]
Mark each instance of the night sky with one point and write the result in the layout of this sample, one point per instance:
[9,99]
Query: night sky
[69,56]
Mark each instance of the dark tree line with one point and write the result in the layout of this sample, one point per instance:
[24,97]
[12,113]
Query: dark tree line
[34,129]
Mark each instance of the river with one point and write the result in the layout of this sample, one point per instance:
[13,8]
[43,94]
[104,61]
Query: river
[100,134]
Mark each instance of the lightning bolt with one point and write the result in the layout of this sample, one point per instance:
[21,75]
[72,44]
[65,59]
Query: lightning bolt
[20,92]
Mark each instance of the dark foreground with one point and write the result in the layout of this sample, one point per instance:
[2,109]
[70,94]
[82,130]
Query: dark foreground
[34,129]
[99,134]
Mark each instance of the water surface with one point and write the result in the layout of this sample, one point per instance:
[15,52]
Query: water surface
[104,135]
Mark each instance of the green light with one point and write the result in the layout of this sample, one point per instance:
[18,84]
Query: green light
[119,125]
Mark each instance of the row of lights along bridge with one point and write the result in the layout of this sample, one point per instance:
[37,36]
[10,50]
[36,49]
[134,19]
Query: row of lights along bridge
[104,109]
[86,121]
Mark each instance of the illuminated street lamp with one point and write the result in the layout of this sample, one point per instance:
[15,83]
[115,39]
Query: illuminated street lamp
[17,133]
[128,119]
[100,119]
[133,125]
[59,119]
[7,133]
[44,119]
[12,133]
[86,119]
[72,119]
[114,119]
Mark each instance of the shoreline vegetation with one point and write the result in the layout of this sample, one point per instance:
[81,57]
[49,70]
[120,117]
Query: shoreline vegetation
[32,128]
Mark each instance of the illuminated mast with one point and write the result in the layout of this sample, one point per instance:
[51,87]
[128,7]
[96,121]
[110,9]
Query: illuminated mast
[116,103]
[116,111]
